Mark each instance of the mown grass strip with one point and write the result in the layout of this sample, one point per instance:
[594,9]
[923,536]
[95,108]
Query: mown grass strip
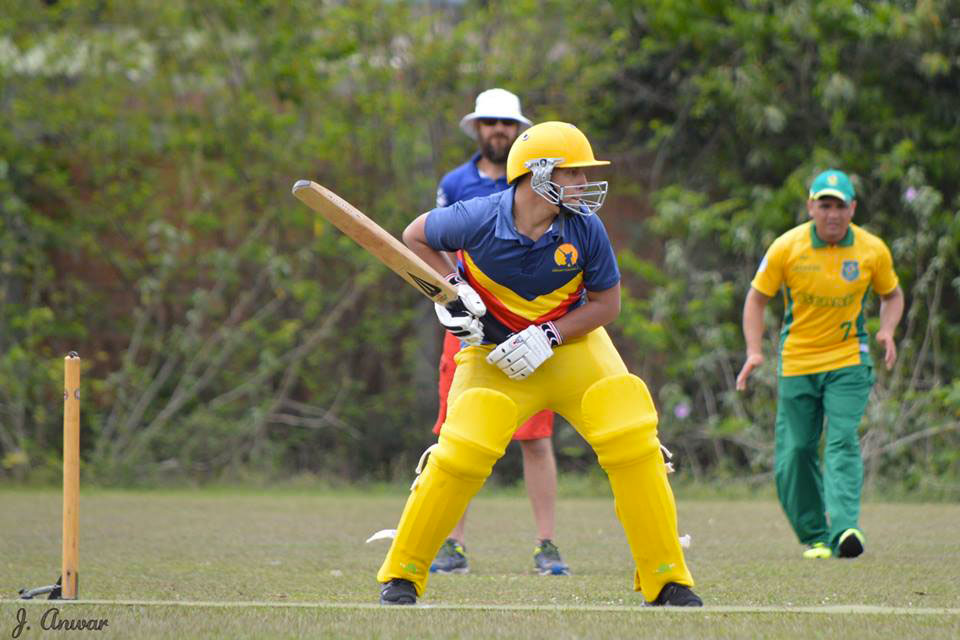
[212,604]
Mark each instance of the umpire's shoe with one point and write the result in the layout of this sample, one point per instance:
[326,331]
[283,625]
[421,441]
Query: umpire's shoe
[452,558]
[398,591]
[676,595]
[547,560]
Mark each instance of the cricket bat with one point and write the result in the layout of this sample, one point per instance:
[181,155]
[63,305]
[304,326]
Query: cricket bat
[387,249]
[372,237]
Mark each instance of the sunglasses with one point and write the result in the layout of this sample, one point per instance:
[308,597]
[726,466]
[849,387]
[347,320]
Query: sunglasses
[489,122]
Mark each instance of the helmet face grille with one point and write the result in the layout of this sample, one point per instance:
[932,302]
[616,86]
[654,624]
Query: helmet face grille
[542,170]
[585,199]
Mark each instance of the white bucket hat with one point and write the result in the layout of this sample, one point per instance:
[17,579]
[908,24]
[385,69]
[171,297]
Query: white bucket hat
[494,103]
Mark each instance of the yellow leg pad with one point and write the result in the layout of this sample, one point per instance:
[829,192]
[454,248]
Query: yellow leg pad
[478,428]
[620,422]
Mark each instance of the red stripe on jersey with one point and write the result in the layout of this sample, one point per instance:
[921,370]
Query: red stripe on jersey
[562,309]
[508,318]
[514,321]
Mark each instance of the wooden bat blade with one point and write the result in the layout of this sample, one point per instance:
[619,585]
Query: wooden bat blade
[372,237]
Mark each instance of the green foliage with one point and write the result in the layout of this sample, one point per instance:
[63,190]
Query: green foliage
[147,221]
[739,106]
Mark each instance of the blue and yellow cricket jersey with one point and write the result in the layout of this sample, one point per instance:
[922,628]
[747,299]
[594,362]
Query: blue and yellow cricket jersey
[523,282]
[824,287]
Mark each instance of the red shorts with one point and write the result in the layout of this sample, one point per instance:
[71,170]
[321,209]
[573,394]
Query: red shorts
[540,425]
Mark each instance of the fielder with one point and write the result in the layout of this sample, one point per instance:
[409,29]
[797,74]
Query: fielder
[540,261]
[825,267]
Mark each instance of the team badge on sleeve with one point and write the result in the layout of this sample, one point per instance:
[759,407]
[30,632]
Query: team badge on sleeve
[850,270]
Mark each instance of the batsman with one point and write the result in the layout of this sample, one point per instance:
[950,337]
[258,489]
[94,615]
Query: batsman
[536,259]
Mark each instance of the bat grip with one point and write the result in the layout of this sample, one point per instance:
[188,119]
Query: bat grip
[493,330]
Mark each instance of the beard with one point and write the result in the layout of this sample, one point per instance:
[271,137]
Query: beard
[496,148]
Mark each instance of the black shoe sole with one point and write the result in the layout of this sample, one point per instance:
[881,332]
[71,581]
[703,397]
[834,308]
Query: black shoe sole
[442,572]
[688,603]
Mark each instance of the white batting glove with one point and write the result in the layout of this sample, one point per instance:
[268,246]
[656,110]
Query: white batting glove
[462,317]
[519,355]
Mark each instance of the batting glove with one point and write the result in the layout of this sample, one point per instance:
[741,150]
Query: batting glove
[519,355]
[462,316]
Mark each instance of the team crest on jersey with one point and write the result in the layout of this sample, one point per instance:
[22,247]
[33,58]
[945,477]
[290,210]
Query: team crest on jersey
[850,270]
[566,256]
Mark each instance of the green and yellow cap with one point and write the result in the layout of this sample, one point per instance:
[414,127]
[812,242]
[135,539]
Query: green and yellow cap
[835,183]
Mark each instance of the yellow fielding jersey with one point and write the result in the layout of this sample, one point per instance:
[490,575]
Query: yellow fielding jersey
[824,287]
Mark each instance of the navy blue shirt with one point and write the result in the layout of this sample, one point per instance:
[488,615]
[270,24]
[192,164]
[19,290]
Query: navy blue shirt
[465,182]
[523,282]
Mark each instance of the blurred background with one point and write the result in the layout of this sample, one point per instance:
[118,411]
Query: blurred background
[147,152]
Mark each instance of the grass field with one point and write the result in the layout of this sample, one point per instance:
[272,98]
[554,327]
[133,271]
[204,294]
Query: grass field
[236,564]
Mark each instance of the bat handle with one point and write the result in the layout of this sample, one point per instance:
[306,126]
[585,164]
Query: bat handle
[493,330]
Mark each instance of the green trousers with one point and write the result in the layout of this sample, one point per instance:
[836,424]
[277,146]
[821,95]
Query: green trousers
[821,506]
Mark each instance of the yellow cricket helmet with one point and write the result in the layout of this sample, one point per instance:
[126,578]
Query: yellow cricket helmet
[550,140]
